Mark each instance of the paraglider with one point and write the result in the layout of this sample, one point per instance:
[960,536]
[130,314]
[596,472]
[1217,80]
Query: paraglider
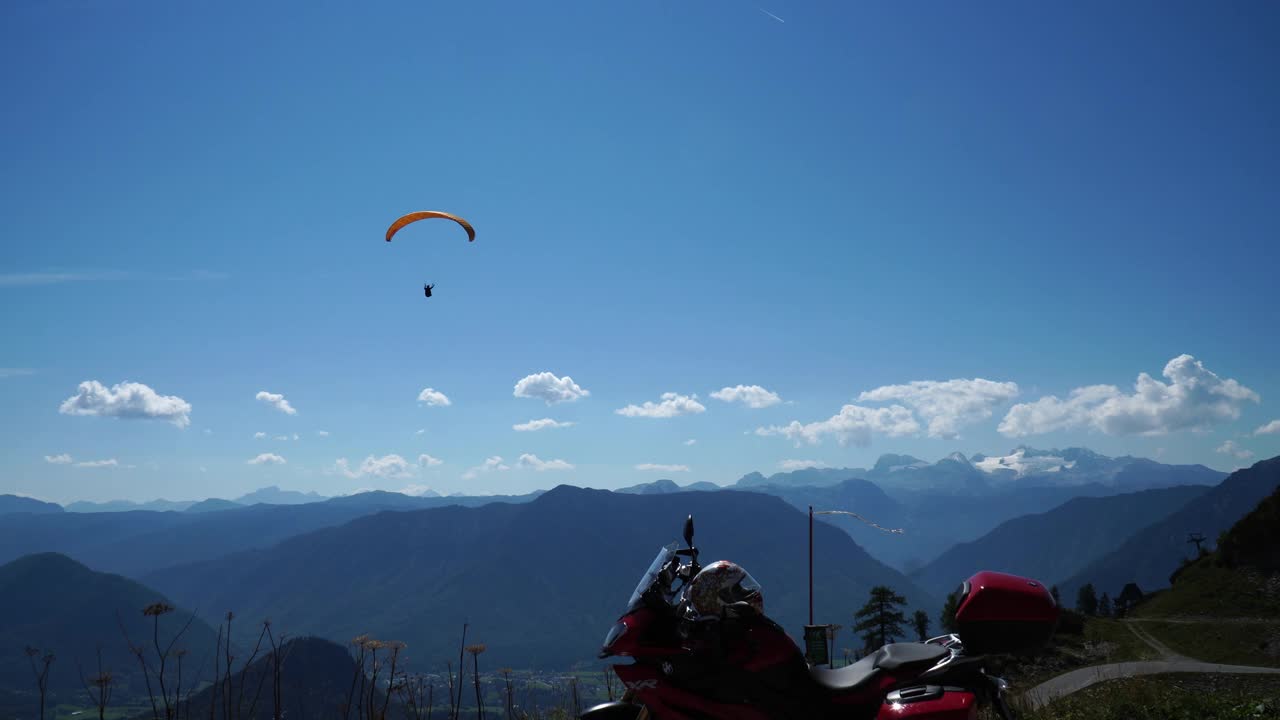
[424,215]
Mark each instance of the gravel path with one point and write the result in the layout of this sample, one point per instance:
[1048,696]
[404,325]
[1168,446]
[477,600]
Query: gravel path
[1067,683]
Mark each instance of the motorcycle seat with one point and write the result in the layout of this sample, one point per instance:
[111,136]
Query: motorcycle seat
[849,677]
[892,657]
[898,656]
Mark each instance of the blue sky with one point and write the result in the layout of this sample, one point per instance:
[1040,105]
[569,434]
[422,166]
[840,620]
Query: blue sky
[670,197]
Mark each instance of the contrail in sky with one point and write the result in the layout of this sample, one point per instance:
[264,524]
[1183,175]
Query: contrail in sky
[775,17]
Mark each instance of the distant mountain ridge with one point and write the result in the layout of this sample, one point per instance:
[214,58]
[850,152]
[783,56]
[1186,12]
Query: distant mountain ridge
[1023,467]
[137,542]
[659,487]
[273,495]
[20,504]
[1149,556]
[1052,545]
[952,501]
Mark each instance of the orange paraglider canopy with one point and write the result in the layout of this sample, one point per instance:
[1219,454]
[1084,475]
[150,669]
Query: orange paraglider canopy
[426,214]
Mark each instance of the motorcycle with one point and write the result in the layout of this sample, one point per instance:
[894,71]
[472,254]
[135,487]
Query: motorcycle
[680,672]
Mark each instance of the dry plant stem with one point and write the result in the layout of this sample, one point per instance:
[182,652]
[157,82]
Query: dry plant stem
[395,655]
[462,648]
[42,675]
[226,679]
[177,691]
[140,654]
[359,670]
[475,657]
[368,699]
[213,689]
[449,676]
[244,670]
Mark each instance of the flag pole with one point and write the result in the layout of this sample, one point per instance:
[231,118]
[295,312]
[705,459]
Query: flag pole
[810,564]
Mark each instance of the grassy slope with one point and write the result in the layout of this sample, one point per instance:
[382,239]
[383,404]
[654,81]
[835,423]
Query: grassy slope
[1225,607]
[1165,697]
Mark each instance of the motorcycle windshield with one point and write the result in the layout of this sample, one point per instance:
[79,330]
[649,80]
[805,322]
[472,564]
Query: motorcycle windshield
[651,575]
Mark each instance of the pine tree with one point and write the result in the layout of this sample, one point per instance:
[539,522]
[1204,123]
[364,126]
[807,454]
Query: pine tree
[947,620]
[920,621]
[1104,606]
[881,619]
[1087,600]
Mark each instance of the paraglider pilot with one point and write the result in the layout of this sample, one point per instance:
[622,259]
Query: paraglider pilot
[426,289]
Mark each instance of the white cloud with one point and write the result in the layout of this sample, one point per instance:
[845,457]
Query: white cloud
[63,459]
[533,462]
[39,278]
[282,437]
[433,398]
[543,424]
[207,431]
[670,405]
[15,372]
[1271,428]
[792,465]
[659,467]
[388,466]
[852,425]
[296,437]
[549,388]
[268,459]
[277,401]
[100,463]
[322,433]
[1230,447]
[420,431]
[128,401]
[426,460]
[947,405]
[259,435]
[493,464]
[753,396]
[1193,399]
[691,442]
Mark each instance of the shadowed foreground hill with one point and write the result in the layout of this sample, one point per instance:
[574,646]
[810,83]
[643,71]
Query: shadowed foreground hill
[1151,555]
[315,679]
[1053,545]
[540,582]
[53,603]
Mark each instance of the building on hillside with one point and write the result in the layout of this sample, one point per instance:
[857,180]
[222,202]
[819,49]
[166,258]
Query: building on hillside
[1131,595]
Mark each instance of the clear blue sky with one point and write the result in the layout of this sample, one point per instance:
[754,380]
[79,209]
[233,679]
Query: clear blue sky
[669,196]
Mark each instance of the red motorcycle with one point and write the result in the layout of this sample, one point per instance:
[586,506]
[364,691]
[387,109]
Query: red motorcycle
[743,666]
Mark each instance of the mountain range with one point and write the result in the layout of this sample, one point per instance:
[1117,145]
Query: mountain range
[137,542]
[956,500]
[540,581]
[1052,545]
[1023,467]
[659,487]
[1150,555]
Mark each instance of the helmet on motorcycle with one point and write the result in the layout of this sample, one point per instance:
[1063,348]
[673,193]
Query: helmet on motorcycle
[720,585]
